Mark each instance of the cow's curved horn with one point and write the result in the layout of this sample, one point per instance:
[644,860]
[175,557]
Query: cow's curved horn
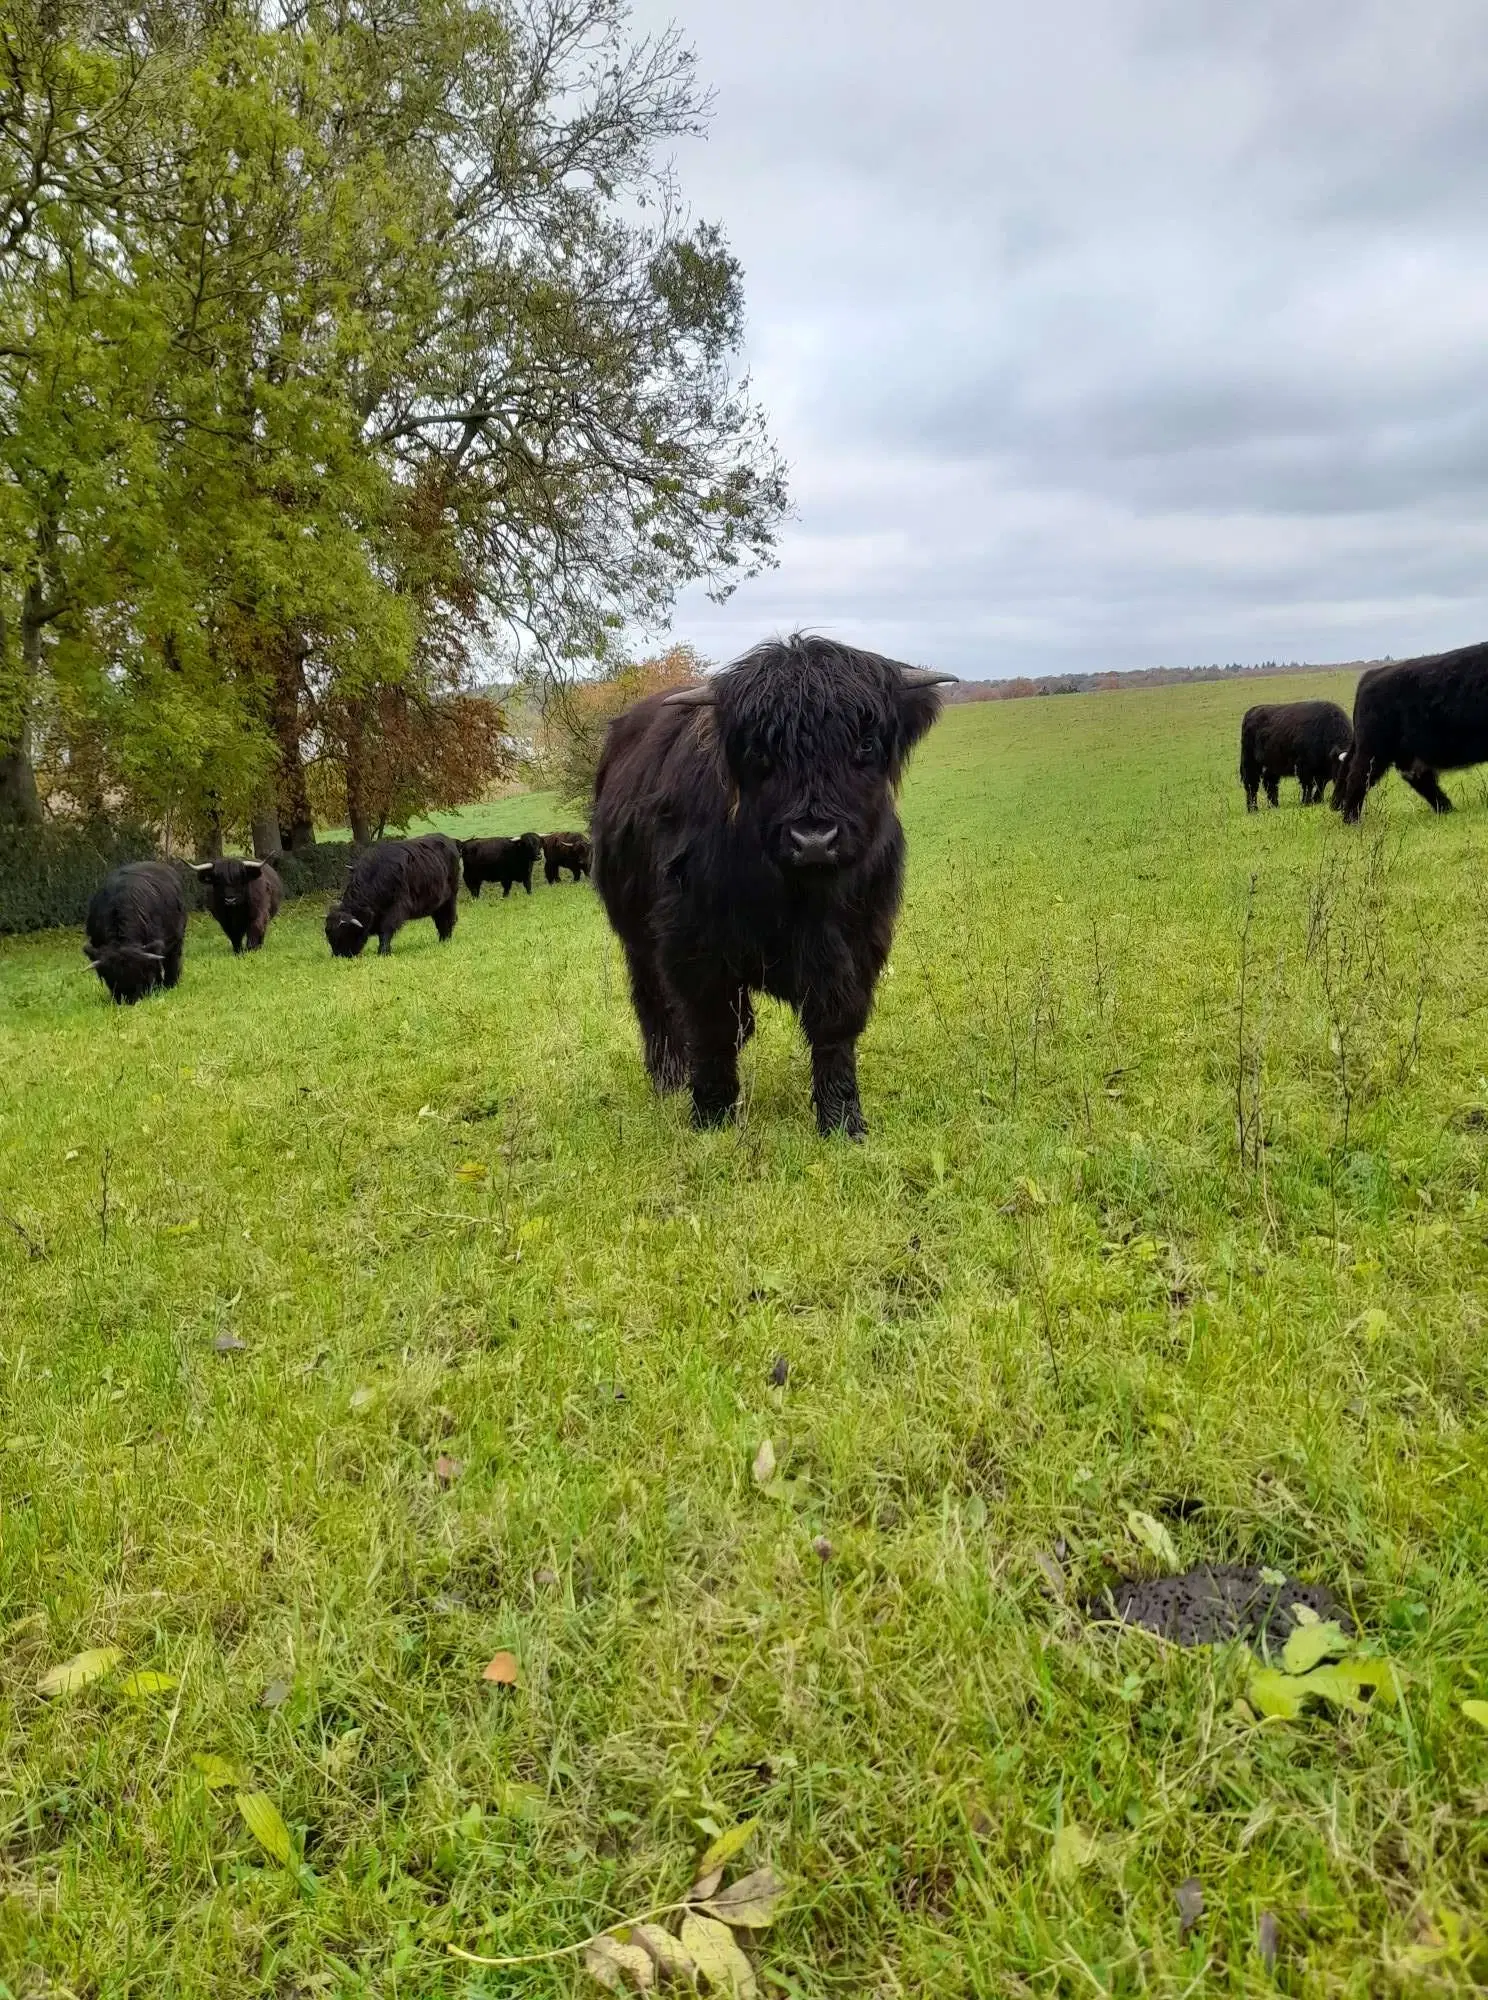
[253,867]
[202,868]
[927,677]
[693,697]
[353,920]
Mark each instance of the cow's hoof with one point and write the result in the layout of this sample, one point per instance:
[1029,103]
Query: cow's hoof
[709,1117]
[853,1126]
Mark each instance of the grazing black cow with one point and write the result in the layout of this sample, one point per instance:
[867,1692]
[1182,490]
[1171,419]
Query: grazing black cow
[500,860]
[746,839]
[244,897]
[1306,740]
[136,927]
[565,850]
[1422,716]
[388,886]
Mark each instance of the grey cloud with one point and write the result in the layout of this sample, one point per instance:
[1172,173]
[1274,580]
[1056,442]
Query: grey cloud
[1111,331]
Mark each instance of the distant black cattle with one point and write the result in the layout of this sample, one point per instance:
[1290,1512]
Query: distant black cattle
[499,860]
[1306,740]
[746,839]
[565,850]
[244,897]
[1422,716]
[136,929]
[391,884]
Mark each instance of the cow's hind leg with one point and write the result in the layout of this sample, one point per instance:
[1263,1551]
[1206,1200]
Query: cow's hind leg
[444,920]
[170,972]
[661,1037]
[1421,778]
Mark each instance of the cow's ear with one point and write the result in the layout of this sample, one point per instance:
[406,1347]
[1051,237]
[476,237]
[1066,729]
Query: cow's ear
[919,702]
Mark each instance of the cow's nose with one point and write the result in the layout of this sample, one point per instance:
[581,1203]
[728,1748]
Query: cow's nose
[813,844]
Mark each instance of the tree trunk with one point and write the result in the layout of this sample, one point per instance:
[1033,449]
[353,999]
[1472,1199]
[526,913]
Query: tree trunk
[267,839]
[295,816]
[20,802]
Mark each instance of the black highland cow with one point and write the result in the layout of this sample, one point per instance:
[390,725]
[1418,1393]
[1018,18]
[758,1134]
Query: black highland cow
[746,839]
[565,850]
[1306,740]
[1422,716]
[136,929]
[391,884]
[244,897]
[500,860]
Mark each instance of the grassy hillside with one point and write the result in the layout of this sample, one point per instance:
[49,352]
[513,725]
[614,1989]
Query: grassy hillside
[275,1246]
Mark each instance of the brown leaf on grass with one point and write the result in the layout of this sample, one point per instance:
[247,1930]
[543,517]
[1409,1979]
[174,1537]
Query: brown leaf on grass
[619,1968]
[1267,1939]
[501,1668]
[79,1671]
[704,1886]
[779,1372]
[764,1464]
[1189,1896]
[275,1694]
[666,1954]
[749,1904]
[447,1470]
[721,1965]
[546,1577]
[229,1343]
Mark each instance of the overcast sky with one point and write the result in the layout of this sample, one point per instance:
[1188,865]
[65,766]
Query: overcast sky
[1109,333]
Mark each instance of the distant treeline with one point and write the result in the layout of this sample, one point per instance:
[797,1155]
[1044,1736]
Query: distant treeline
[1138,677]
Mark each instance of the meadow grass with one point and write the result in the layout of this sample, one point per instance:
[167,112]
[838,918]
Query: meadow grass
[1172,1201]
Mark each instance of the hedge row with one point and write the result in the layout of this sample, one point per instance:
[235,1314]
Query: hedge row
[48,873]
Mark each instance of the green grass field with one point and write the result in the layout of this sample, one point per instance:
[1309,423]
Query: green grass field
[1116,1242]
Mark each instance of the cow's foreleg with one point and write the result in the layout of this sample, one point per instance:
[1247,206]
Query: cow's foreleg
[834,1088]
[1273,789]
[1350,790]
[170,972]
[444,920]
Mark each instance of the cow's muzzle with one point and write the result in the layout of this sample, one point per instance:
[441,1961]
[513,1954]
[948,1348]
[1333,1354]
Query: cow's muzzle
[813,846]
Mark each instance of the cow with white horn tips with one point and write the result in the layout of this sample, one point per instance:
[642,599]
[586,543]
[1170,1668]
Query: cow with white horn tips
[244,897]
[388,886]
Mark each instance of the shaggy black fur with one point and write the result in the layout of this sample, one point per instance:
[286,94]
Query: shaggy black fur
[746,839]
[388,886]
[505,861]
[244,897]
[565,850]
[1306,740]
[1422,716]
[136,929]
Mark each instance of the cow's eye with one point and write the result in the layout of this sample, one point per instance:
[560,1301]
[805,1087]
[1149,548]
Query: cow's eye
[870,747]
